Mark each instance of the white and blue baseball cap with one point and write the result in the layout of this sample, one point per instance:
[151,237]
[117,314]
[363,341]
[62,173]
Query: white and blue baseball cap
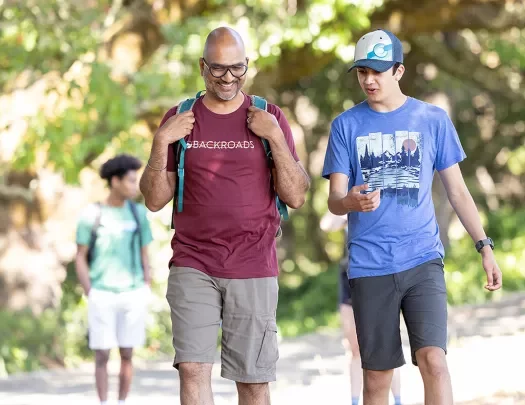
[378,50]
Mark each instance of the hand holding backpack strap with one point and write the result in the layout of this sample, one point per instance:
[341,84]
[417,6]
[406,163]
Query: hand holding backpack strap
[261,103]
[179,150]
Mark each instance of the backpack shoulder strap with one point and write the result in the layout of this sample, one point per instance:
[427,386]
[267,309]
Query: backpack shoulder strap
[137,232]
[188,104]
[261,103]
[94,229]
[179,150]
[134,212]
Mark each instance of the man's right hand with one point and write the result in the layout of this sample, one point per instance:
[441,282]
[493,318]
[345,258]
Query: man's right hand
[357,202]
[176,127]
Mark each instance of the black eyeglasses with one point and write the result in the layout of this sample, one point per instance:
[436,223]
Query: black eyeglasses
[219,71]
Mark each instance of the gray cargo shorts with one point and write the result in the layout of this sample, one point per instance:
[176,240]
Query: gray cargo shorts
[247,309]
[377,302]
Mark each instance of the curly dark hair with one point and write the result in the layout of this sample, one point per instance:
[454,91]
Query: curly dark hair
[119,166]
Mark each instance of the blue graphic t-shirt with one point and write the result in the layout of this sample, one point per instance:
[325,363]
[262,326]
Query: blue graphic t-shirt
[397,152]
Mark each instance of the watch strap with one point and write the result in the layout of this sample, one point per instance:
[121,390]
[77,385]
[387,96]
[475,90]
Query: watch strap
[484,242]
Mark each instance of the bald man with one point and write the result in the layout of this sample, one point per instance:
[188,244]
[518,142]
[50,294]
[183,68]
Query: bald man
[224,264]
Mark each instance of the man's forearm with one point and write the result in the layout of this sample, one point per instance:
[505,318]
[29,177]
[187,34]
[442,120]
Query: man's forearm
[336,205]
[467,213]
[82,270]
[154,184]
[291,181]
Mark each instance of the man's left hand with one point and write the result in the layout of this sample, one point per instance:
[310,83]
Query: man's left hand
[262,123]
[494,276]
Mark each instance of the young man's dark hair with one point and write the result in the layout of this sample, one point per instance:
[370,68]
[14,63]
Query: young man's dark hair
[119,166]
[396,66]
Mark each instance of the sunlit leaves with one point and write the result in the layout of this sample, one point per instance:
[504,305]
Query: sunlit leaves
[50,35]
[82,127]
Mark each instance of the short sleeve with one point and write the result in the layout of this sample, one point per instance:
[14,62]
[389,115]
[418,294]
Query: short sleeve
[85,225]
[285,127]
[449,149]
[171,155]
[337,157]
[145,228]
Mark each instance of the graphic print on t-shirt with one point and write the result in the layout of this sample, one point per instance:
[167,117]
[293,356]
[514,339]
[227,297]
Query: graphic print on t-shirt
[392,162]
[221,145]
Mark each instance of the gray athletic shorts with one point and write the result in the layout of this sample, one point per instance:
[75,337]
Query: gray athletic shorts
[247,309]
[377,302]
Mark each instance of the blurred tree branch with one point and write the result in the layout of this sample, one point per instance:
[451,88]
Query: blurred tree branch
[415,17]
[464,65]
[412,17]
[13,192]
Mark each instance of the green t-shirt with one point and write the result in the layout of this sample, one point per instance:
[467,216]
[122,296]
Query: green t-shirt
[112,265]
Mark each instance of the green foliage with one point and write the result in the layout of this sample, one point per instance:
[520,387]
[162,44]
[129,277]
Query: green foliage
[465,274]
[55,337]
[310,305]
[83,121]
[58,337]
[25,340]
[47,36]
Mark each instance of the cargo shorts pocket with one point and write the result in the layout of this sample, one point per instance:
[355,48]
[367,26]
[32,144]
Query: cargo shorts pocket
[269,352]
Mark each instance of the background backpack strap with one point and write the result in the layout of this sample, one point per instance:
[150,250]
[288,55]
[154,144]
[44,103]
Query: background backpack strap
[261,103]
[134,212]
[94,229]
[179,150]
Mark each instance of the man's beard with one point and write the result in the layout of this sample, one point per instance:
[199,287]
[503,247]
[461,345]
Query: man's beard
[213,85]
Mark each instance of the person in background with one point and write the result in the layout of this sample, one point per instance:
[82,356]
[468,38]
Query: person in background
[113,268]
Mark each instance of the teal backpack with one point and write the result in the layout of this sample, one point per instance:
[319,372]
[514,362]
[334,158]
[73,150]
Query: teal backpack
[179,149]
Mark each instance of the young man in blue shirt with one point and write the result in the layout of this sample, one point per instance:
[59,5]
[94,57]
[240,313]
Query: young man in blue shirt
[380,161]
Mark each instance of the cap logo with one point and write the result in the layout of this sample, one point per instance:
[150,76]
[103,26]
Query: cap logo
[380,51]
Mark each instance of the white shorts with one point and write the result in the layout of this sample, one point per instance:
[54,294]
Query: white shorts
[117,319]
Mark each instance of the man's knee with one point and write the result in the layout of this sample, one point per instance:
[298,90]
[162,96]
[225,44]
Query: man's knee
[252,390]
[432,361]
[195,372]
[126,354]
[377,381]
[101,358]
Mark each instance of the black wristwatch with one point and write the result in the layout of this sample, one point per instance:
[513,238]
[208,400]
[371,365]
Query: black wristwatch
[484,242]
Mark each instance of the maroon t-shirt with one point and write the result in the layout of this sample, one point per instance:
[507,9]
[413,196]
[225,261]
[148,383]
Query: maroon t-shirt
[229,220]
